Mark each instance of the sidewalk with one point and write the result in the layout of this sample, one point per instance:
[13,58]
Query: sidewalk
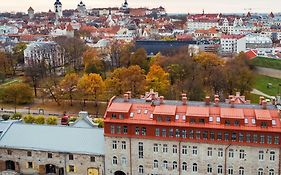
[257,92]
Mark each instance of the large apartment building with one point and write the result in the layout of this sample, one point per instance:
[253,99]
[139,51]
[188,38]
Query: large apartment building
[160,137]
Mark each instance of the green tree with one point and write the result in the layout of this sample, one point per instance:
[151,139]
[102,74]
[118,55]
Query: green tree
[18,52]
[158,79]
[52,120]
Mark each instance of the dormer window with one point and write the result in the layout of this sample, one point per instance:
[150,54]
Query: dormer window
[145,111]
[210,119]
[177,117]
[139,111]
[273,122]
[113,116]
[159,119]
[121,116]
[253,121]
[183,117]
[201,120]
[192,120]
[218,119]
[246,120]
[263,124]
[227,122]
[168,119]
[131,114]
[236,123]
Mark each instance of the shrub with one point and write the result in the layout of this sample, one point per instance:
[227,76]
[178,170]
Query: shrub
[99,121]
[29,119]
[52,121]
[72,119]
[5,117]
[40,120]
[16,116]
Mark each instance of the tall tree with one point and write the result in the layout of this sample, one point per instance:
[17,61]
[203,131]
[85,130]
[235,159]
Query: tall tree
[92,62]
[18,52]
[158,79]
[69,85]
[139,57]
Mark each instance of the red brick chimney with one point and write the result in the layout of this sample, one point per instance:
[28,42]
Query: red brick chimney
[264,104]
[217,100]
[184,100]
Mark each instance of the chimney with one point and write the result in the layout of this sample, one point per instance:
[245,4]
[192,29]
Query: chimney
[207,100]
[273,101]
[129,94]
[237,94]
[264,104]
[217,100]
[126,97]
[152,96]
[184,100]
[232,101]
[161,99]
[183,95]
[261,99]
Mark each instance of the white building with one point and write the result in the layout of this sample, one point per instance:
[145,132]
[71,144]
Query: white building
[195,24]
[255,41]
[58,9]
[231,44]
[6,30]
[81,8]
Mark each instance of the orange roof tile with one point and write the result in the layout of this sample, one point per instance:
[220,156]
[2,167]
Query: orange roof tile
[119,107]
[165,110]
[262,114]
[234,113]
[198,111]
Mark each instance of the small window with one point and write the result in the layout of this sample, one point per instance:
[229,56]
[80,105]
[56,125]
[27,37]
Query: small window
[139,111]
[71,168]
[210,119]
[50,155]
[9,152]
[151,116]
[218,119]
[30,164]
[92,159]
[70,156]
[145,111]
[29,153]
[183,117]
[253,121]
[273,122]
[246,120]
[131,114]
[177,117]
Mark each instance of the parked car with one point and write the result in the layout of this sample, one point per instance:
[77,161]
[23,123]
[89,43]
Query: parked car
[65,120]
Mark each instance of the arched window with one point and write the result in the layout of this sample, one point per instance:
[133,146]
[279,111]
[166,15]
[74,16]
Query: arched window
[260,171]
[230,170]
[184,166]
[209,168]
[123,161]
[241,171]
[175,165]
[272,156]
[114,160]
[155,164]
[219,169]
[194,167]
[141,171]
[271,172]
[165,164]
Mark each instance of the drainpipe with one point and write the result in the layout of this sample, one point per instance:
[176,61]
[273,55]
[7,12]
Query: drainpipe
[65,172]
[103,165]
[180,158]
[131,156]
[225,158]
[279,171]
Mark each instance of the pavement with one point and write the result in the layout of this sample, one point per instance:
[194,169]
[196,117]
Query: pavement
[257,92]
[269,72]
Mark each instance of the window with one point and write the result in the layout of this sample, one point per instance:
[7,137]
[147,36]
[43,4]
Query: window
[171,132]
[272,156]
[255,138]
[70,157]
[233,136]
[114,160]
[163,132]
[212,135]
[175,165]
[114,144]
[175,149]
[50,155]
[269,139]
[123,161]
[131,114]
[140,150]
[241,137]
[155,164]
[218,119]
[165,164]
[191,133]
[9,152]
[194,167]
[141,171]
[118,129]
[194,150]
[121,116]
[219,169]
[276,140]
[155,147]
[230,153]
[143,131]
[165,148]
[183,133]
[261,155]
[112,129]
[230,170]
[236,123]
[210,152]
[177,133]
[184,166]
[248,138]
[201,120]
[159,119]
[125,129]
[192,120]
[92,159]
[220,152]
[157,132]
[263,124]
[261,138]
[29,164]
[226,136]
[198,134]
[219,136]
[271,172]
[29,153]
[184,149]
[71,168]
[123,146]
[260,171]
[137,131]
[209,168]
[227,122]
[113,116]
[168,119]
[205,135]
[241,171]
[242,154]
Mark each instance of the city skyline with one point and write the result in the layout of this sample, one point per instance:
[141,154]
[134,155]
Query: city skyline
[191,6]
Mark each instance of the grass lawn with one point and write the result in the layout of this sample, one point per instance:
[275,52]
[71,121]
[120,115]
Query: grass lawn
[266,62]
[11,81]
[261,84]
[253,97]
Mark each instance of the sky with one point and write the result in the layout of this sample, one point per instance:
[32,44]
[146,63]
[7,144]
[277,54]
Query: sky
[172,6]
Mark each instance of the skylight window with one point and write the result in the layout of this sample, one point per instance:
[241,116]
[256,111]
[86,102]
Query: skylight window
[210,119]
[139,111]
[177,116]
[253,121]
[145,111]
[273,122]
[218,120]
[131,114]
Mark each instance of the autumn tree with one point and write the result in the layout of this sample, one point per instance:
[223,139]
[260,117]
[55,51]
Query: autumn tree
[139,57]
[68,85]
[158,79]
[92,85]
[5,65]
[126,79]
[92,62]
[18,52]
[50,88]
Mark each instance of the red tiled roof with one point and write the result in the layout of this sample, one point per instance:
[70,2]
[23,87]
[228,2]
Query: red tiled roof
[198,111]
[232,113]
[251,54]
[262,114]
[165,110]
[120,107]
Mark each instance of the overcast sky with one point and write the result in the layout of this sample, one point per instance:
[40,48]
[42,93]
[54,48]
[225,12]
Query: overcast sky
[172,6]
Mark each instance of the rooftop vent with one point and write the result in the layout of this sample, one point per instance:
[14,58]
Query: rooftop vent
[161,99]
[207,100]
[126,97]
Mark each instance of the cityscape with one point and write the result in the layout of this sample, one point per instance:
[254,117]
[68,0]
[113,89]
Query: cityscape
[140,88]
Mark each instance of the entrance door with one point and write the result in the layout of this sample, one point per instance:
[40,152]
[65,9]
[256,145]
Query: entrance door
[119,173]
[50,169]
[10,165]
[93,171]
[61,171]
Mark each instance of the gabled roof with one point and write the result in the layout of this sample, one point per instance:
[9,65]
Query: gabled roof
[165,110]
[262,114]
[119,107]
[84,122]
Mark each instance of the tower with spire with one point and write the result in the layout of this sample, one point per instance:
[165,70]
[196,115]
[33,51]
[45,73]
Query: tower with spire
[30,12]
[58,9]
[81,8]
[125,7]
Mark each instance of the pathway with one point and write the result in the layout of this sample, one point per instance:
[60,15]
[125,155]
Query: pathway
[269,72]
[257,92]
